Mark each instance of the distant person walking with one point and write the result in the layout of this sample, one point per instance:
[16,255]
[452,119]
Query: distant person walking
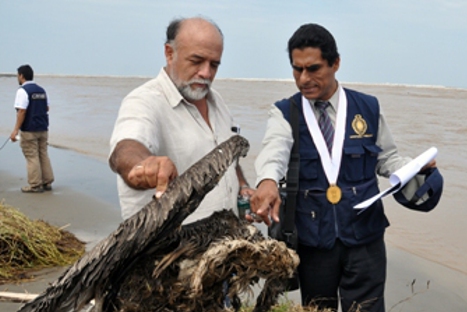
[32,118]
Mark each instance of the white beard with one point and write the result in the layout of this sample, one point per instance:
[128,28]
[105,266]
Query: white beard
[187,91]
[196,94]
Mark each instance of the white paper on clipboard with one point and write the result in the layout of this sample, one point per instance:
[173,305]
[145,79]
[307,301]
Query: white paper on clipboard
[400,178]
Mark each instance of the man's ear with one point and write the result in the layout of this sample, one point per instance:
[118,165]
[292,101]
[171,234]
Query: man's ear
[169,53]
[336,64]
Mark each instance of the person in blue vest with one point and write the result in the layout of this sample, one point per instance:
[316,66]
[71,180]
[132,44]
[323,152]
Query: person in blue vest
[32,122]
[344,143]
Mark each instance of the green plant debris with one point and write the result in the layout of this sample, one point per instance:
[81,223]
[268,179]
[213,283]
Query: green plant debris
[30,245]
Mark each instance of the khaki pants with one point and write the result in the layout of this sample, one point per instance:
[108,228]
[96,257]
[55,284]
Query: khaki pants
[34,146]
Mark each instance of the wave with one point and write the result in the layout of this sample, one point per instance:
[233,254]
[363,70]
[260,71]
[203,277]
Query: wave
[81,76]
[257,79]
[381,84]
[400,85]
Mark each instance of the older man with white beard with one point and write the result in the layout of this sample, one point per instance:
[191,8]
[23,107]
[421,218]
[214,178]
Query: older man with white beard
[170,122]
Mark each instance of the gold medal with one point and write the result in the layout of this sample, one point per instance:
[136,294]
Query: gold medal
[333,194]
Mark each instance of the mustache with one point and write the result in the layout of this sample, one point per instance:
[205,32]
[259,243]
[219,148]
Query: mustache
[200,81]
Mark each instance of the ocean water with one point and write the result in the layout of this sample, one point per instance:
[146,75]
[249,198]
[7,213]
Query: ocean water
[83,111]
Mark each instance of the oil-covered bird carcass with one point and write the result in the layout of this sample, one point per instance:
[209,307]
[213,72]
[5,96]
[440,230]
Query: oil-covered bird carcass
[153,263]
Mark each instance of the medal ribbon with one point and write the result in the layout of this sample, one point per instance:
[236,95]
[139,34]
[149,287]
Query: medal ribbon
[331,163]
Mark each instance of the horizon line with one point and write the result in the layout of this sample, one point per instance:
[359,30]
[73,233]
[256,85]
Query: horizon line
[389,84]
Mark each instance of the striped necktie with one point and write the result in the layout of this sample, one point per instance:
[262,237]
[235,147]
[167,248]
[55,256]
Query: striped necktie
[325,124]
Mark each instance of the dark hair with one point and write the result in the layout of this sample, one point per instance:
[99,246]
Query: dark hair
[314,36]
[174,28]
[26,71]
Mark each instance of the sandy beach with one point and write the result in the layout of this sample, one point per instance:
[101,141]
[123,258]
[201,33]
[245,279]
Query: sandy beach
[429,248]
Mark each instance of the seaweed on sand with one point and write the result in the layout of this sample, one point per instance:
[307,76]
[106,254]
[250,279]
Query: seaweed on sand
[29,245]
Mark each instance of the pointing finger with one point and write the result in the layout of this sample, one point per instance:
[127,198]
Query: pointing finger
[167,172]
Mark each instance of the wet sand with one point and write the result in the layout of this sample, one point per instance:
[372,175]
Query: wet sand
[428,247]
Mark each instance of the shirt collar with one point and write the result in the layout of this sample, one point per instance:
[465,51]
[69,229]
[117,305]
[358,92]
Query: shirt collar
[333,101]
[170,90]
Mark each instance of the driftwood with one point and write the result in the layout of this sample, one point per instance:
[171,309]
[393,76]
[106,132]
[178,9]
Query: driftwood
[16,297]
[26,297]
[152,263]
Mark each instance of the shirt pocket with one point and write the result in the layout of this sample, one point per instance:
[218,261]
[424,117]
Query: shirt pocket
[307,219]
[309,165]
[371,158]
[354,163]
[360,162]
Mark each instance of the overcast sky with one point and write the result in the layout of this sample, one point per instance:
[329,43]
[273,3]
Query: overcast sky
[416,42]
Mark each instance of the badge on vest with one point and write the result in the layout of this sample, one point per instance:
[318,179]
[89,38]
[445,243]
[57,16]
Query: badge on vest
[359,126]
[38,96]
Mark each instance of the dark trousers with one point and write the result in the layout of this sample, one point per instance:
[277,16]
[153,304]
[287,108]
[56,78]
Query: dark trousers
[358,274]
